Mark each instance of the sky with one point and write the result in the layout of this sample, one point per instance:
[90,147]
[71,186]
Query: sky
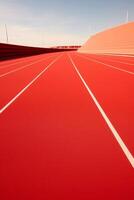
[59,22]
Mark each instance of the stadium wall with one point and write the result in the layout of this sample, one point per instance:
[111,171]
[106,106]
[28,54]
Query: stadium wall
[117,40]
[9,51]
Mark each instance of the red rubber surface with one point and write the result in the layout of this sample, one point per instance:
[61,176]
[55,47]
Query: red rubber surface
[54,143]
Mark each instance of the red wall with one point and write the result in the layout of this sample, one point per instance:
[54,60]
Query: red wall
[8,51]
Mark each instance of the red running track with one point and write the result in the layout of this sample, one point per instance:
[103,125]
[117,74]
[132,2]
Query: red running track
[66,127]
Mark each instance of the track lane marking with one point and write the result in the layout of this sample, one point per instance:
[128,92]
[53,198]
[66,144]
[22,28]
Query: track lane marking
[13,63]
[118,61]
[111,66]
[121,62]
[21,60]
[107,120]
[23,67]
[28,85]
[119,55]
[108,54]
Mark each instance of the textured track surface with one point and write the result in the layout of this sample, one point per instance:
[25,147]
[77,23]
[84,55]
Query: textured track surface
[54,141]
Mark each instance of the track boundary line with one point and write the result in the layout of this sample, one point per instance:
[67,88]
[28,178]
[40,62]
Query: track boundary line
[121,62]
[23,67]
[118,61]
[11,64]
[108,54]
[118,55]
[111,66]
[107,120]
[28,85]
[20,60]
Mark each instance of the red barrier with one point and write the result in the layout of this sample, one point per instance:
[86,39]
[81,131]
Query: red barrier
[8,51]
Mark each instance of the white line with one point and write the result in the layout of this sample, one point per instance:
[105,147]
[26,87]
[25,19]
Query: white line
[11,64]
[107,54]
[27,86]
[26,59]
[111,66]
[107,59]
[120,62]
[20,68]
[117,55]
[111,127]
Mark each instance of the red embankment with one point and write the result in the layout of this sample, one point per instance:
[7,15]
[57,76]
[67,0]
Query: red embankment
[117,40]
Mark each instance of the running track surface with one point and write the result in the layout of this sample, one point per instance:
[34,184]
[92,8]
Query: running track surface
[55,140]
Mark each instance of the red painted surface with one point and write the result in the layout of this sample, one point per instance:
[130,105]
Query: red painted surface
[54,143]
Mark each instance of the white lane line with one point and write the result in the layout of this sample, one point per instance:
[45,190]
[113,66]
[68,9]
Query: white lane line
[14,63]
[108,54]
[20,68]
[110,125]
[117,55]
[26,59]
[27,86]
[120,62]
[107,59]
[111,66]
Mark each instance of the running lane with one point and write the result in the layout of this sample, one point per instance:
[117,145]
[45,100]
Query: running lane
[114,91]
[13,81]
[120,58]
[17,66]
[111,62]
[54,144]
[19,60]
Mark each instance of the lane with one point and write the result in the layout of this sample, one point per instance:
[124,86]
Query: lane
[105,117]
[117,66]
[113,90]
[5,70]
[125,58]
[115,58]
[117,61]
[13,83]
[57,145]
[17,60]
[122,64]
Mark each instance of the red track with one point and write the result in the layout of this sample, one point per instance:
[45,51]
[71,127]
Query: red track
[54,141]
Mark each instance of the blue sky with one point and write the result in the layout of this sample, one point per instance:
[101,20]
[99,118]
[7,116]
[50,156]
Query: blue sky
[59,22]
